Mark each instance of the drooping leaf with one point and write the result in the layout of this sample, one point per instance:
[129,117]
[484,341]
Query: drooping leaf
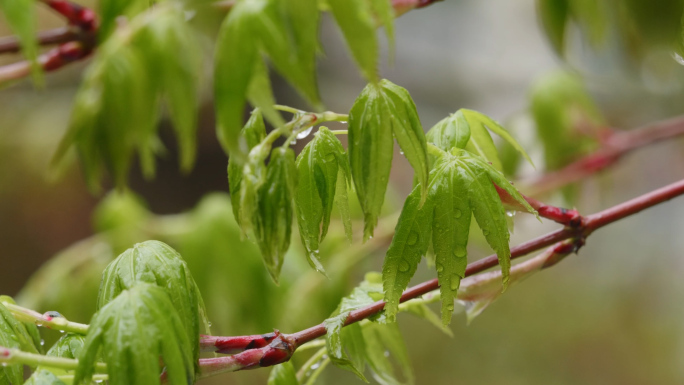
[421,310]
[110,10]
[133,332]
[273,224]
[380,112]
[157,263]
[283,374]
[409,244]
[342,201]
[253,132]
[554,15]
[318,166]
[461,185]
[117,106]
[356,21]
[260,94]
[452,131]
[21,18]
[384,344]
[450,227]
[384,12]
[477,118]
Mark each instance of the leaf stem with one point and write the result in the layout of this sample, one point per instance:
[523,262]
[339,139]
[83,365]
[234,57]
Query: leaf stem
[339,132]
[303,371]
[55,322]
[16,356]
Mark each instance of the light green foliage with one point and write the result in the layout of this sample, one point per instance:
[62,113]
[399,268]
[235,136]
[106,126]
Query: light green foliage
[110,10]
[117,106]
[15,334]
[273,222]
[357,20]
[157,263]
[44,377]
[354,346]
[461,185]
[565,116]
[21,18]
[318,167]
[380,112]
[555,16]
[253,132]
[286,32]
[132,332]
[69,346]
[283,374]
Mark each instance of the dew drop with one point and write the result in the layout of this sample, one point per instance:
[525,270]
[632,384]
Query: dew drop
[678,58]
[305,133]
[450,307]
[440,268]
[404,266]
[485,232]
[315,366]
[387,353]
[209,324]
[412,238]
[401,152]
[460,251]
[61,331]
[42,342]
[4,364]
[330,157]
[510,214]
[457,213]
[455,282]
[293,142]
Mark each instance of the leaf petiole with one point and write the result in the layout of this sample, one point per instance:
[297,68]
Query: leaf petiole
[55,322]
[16,356]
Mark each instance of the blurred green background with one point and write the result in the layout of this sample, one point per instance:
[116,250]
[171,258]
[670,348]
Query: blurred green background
[611,315]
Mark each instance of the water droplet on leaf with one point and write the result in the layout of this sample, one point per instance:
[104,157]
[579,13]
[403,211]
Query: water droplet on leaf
[455,282]
[305,133]
[404,266]
[460,251]
[457,213]
[412,238]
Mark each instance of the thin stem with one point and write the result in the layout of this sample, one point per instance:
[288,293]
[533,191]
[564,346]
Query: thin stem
[50,321]
[615,147]
[339,132]
[96,377]
[11,44]
[289,109]
[302,372]
[16,356]
[590,224]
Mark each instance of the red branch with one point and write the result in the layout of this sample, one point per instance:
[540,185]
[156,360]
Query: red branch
[614,148]
[576,234]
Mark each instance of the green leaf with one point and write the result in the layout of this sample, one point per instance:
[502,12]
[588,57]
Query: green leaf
[273,223]
[450,132]
[110,10]
[21,18]
[235,60]
[157,263]
[421,310]
[260,94]
[318,166]
[356,21]
[133,332]
[42,377]
[554,15]
[69,346]
[382,339]
[253,132]
[407,129]
[384,12]
[342,201]
[379,112]
[477,118]
[409,244]
[14,334]
[283,374]
[449,190]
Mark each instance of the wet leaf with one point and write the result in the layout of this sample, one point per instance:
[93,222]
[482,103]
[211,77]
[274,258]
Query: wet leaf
[21,19]
[157,263]
[283,374]
[133,332]
[318,166]
[273,223]
[355,18]
[18,335]
[384,344]
[380,112]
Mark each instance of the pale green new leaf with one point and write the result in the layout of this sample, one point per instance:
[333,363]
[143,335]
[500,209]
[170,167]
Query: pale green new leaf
[235,60]
[110,10]
[554,15]
[384,11]
[318,166]
[407,130]
[356,21]
[342,202]
[370,152]
[452,131]
[409,244]
[253,132]
[21,18]
[133,332]
[481,119]
[450,227]
[69,346]
[283,374]
[157,263]
[260,94]
[382,339]
[273,222]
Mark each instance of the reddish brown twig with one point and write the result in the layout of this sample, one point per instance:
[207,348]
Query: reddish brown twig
[11,44]
[614,148]
[254,358]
